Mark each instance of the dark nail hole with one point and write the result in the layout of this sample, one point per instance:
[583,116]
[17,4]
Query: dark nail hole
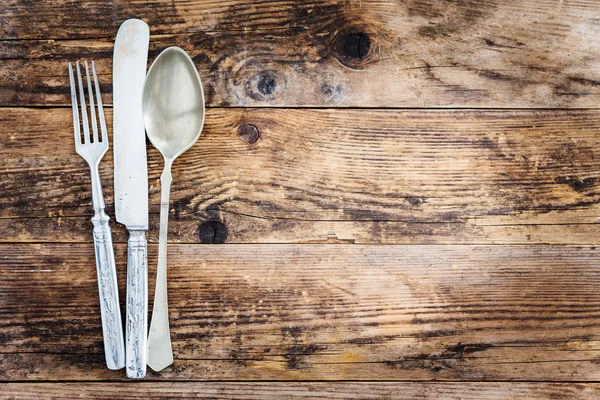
[415,201]
[212,232]
[356,45]
[249,133]
[580,185]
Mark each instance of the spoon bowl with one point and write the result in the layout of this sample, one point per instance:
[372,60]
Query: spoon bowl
[173,103]
[173,109]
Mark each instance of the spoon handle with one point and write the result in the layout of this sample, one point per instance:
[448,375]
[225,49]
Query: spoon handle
[160,354]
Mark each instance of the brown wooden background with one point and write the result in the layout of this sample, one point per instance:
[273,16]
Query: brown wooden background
[408,192]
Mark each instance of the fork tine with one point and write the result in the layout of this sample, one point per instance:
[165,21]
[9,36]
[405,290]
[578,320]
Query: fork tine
[76,128]
[100,108]
[84,120]
[91,97]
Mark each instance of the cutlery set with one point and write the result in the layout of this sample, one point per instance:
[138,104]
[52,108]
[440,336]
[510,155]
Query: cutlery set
[168,105]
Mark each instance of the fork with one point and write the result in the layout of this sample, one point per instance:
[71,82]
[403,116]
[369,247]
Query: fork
[92,149]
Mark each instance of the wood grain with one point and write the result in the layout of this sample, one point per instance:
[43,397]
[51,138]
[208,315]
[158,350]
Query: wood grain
[488,208]
[329,176]
[413,53]
[320,312]
[307,391]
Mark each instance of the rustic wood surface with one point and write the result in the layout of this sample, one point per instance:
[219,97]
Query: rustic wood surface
[323,312]
[308,391]
[390,53]
[364,176]
[372,245]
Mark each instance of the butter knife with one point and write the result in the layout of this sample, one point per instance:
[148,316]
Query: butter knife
[131,182]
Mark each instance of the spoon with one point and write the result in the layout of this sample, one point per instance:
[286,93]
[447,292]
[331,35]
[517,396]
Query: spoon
[173,109]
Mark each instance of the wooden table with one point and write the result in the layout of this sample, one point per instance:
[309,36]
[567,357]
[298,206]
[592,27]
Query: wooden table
[408,193]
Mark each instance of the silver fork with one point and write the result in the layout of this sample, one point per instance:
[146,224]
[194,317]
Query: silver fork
[92,149]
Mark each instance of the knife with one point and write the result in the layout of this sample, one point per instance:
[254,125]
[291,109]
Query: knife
[131,181]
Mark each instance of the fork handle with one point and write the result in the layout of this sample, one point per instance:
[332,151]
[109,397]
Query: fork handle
[137,304]
[112,328]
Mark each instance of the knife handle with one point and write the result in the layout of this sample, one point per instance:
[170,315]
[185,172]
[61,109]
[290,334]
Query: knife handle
[112,328]
[137,304]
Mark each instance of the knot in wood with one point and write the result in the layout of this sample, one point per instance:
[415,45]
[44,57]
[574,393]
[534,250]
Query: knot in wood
[266,85]
[354,47]
[212,232]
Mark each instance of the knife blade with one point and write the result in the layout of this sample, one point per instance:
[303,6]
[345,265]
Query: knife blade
[131,181]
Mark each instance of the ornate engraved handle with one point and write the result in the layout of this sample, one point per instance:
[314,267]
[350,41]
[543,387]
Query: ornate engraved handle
[112,329]
[137,304]
[110,311]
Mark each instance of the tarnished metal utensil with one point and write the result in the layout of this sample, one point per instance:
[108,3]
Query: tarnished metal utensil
[131,181]
[92,149]
[173,105]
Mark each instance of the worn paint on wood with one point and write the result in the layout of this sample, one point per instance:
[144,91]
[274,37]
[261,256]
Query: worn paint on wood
[363,176]
[321,312]
[414,53]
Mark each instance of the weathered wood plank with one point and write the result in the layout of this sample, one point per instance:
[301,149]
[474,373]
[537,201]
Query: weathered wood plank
[248,229]
[413,53]
[364,176]
[320,312]
[303,390]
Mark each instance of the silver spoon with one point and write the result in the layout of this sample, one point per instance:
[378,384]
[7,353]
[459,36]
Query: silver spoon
[173,108]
